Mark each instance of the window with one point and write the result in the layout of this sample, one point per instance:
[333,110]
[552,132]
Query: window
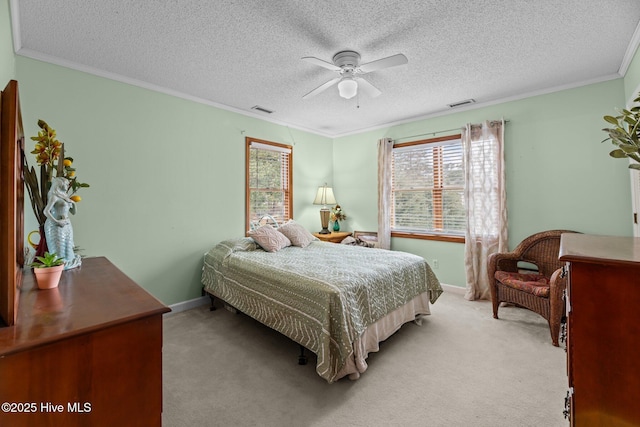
[269,181]
[427,196]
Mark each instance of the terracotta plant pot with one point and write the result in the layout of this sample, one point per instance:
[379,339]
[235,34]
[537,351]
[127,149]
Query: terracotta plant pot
[48,277]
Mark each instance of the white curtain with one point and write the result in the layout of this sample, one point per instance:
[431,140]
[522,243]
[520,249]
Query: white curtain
[385,151]
[485,200]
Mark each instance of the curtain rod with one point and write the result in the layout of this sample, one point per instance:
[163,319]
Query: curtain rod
[439,131]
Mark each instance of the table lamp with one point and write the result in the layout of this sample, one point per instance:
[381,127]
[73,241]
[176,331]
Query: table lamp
[325,197]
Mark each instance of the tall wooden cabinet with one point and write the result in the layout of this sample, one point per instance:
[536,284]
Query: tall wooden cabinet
[11,202]
[603,329]
[88,353]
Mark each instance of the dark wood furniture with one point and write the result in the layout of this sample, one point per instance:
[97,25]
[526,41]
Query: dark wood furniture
[11,202]
[603,336]
[90,349]
[540,290]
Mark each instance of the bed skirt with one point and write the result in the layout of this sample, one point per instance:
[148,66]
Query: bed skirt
[381,330]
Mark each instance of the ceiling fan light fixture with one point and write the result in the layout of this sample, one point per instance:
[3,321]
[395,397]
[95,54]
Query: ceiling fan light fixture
[348,88]
[347,64]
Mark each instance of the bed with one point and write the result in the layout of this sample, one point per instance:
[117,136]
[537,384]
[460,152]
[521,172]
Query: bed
[338,301]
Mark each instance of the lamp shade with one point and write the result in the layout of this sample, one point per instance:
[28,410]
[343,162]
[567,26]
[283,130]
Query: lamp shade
[325,196]
[348,88]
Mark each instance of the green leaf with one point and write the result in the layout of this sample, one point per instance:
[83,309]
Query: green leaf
[618,133]
[618,154]
[48,260]
[628,148]
[634,166]
[611,120]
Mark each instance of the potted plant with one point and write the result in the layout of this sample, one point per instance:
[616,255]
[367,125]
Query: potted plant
[50,156]
[625,135]
[47,269]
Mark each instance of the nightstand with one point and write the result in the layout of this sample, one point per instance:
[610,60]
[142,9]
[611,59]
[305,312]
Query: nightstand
[334,237]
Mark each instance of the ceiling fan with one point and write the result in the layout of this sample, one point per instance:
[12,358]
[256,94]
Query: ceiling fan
[347,64]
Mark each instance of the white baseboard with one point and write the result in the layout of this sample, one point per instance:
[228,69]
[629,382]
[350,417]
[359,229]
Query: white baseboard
[197,302]
[453,289]
[187,305]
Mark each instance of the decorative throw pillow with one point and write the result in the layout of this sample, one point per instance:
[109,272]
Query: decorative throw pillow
[297,234]
[270,239]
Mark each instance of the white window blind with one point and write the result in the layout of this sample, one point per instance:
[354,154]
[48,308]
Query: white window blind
[269,181]
[428,187]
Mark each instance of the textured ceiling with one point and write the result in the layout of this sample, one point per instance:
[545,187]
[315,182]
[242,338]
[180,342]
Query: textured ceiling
[236,54]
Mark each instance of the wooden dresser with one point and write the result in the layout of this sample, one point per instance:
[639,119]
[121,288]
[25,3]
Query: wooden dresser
[603,329]
[88,353]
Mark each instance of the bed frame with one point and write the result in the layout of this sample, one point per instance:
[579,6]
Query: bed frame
[302,358]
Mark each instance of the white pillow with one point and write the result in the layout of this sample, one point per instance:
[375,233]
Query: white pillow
[297,234]
[270,239]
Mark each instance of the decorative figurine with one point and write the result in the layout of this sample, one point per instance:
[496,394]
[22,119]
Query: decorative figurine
[57,227]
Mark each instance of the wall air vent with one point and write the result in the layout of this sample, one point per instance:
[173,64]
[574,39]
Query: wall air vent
[461,103]
[261,109]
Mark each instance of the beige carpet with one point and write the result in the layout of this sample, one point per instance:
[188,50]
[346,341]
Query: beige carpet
[460,368]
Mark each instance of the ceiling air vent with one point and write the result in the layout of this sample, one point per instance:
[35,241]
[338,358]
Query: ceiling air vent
[262,109]
[461,103]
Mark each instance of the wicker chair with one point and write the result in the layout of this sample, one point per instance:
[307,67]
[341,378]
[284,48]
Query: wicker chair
[540,291]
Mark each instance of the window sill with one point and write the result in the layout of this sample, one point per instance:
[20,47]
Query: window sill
[424,236]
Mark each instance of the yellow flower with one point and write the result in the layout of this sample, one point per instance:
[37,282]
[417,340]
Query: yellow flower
[47,148]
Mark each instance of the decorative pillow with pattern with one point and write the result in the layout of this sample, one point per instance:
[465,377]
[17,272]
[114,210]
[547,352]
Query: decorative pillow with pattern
[297,234]
[269,239]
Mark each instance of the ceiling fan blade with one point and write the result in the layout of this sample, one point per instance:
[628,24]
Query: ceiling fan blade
[368,88]
[390,61]
[322,87]
[321,63]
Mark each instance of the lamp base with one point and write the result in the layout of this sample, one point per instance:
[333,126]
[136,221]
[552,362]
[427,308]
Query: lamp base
[324,220]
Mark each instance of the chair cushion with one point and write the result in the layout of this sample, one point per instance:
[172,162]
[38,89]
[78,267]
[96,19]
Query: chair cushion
[533,283]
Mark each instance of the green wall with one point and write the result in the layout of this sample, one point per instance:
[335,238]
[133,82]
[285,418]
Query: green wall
[7,59]
[558,173]
[166,174]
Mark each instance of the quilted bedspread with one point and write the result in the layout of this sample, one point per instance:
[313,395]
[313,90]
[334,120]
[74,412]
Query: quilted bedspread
[322,296]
